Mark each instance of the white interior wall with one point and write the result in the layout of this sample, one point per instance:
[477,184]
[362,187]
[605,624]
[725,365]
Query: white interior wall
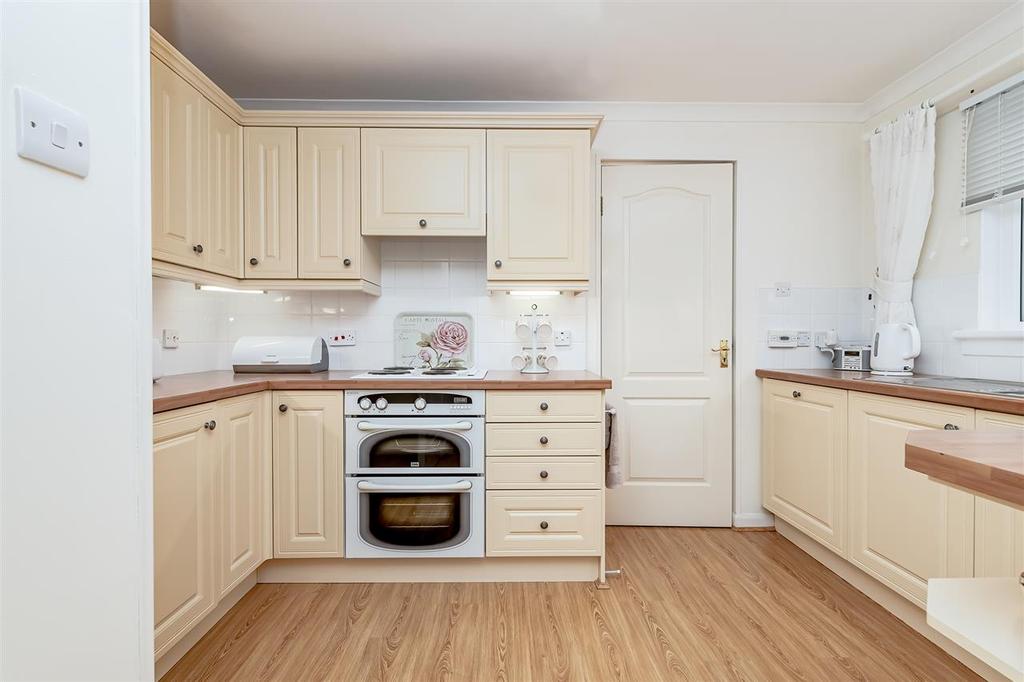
[75,427]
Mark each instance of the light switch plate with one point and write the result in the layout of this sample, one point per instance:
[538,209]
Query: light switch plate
[50,133]
[170,338]
[782,338]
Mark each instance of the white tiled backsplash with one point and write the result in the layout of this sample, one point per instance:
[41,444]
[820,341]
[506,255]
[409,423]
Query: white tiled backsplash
[848,310]
[431,275]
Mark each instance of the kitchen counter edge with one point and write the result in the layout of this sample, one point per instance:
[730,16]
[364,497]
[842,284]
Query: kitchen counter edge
[185,390]
[854,381]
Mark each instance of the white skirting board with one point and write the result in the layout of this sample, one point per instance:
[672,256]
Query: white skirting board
[893,603]
[755,520]
[491,569]
[175,653]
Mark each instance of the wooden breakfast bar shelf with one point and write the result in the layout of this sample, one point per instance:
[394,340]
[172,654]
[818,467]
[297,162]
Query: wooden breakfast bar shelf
[989,463]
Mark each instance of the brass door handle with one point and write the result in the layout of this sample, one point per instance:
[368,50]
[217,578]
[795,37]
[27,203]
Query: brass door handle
[723,352]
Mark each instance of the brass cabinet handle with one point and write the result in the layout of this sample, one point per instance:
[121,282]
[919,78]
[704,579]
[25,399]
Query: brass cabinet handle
[723,352]
[543,525]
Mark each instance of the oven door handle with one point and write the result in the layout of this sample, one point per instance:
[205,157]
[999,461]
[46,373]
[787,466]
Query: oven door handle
[371,487]
[371,427]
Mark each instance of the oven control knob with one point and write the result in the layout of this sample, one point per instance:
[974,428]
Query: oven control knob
[364,403]
[419,403]
[381,403]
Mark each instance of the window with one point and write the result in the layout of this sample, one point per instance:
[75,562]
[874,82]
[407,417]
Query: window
[993,137]
[1001,292]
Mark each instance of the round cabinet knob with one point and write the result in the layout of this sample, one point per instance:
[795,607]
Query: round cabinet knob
[210,425]
[543,474]
[282,407]
[497,263]
[419,403]
[543,407]
[198,248]
[365,403]
[796,394]
[423,223]
[381,403]
[254,261]
[543,525]
[543,440]
[951,427]
[347,262]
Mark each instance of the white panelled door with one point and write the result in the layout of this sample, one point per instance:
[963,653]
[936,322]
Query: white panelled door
[666,294]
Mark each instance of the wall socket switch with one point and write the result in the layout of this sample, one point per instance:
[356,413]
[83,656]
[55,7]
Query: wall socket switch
[563,337]
[345,337]
[782,289]
[803,338]
[170,338]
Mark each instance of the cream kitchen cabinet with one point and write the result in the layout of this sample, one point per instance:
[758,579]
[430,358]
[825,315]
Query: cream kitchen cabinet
[904,528]
[998,528]
[184,521]
[308,470]
[804,437]
[422,182]
[271,191]
[196,183]
[330,243]
[244,497]
[539,205]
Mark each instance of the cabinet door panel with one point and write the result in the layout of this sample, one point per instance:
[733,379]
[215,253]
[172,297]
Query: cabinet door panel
[222,193]
[177,148]
[271,220]
[413,175]
[184,470]
[244,439]
[538,204]
[904,527]
[804,459]
[308,473]
[329,238]
[998,528]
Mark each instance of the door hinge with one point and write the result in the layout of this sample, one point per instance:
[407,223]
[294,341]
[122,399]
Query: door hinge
[602,205]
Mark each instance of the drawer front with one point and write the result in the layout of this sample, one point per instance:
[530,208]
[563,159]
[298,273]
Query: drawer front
[508,440]
[545,406]
[544,523]
[544,472]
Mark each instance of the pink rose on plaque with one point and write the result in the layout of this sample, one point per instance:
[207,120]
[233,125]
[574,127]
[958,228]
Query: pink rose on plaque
[424,355]
[450,337]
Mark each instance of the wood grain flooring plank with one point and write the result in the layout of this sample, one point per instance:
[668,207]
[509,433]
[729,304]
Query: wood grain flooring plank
[693,604]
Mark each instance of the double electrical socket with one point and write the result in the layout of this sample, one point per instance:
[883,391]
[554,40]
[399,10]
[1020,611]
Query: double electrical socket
[345,337]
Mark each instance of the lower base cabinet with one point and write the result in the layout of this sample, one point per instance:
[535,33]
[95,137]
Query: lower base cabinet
[211,520]
[905,528]
[544,523]
[184,522]
[308,473]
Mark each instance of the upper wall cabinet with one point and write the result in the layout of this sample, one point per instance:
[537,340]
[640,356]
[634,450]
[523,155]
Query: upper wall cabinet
[271,232]
[539,205]
[330,245]
[197,178]
[423,182]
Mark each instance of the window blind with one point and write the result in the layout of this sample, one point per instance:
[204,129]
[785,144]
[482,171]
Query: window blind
[994,148]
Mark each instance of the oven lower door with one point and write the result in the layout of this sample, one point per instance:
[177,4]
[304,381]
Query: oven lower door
[414,516]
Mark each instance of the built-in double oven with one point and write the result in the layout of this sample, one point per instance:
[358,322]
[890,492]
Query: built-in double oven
[414,465]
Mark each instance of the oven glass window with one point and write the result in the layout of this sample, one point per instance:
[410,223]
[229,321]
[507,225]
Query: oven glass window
[413,450]
[415,519]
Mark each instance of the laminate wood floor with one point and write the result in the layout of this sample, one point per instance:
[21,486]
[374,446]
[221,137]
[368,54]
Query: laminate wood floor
[694,604]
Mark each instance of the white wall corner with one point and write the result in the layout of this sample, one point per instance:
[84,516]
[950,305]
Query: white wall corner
[753,520]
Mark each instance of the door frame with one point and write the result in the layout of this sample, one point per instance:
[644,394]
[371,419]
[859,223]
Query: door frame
[594,303]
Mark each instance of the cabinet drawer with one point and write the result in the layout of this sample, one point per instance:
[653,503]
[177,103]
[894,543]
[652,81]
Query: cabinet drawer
[544,523]
[545,406]
[545,439]
[544,472]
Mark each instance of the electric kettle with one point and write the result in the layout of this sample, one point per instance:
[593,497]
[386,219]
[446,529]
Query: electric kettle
[894,348]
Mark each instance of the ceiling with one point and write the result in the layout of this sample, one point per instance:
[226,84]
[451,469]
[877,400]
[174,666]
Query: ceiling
[766,51]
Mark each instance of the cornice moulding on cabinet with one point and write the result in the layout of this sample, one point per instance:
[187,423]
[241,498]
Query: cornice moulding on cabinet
[191,275]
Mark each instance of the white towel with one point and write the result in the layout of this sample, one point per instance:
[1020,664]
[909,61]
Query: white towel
[613,452]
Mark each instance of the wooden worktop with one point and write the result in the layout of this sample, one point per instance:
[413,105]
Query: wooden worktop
[986,462]
[183,390]
[858,381]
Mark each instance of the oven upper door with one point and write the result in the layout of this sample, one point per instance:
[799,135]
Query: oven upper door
[414,446]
